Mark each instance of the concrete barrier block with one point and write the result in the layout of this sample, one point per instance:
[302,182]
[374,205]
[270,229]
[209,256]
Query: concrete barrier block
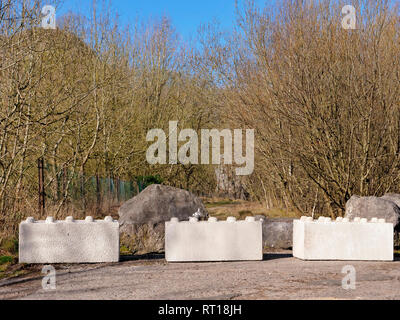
[359,239]
[69,240]
[213,240]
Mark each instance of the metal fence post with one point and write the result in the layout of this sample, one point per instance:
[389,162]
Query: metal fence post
[41,186]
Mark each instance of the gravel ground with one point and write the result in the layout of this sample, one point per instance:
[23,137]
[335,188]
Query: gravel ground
[278,276]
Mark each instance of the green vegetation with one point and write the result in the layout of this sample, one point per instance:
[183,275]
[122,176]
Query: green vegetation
[6,259]
[9,245]
[124,250]
[144,181]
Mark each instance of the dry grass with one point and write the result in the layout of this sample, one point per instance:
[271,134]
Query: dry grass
[222,208]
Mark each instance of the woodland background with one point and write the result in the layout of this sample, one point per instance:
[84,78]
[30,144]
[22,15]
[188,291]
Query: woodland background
[324,103]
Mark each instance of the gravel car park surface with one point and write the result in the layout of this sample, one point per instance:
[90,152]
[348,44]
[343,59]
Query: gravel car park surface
[278,276]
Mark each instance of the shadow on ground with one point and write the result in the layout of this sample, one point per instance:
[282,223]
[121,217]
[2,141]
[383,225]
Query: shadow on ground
[273,256]
[147,256]
[157,256]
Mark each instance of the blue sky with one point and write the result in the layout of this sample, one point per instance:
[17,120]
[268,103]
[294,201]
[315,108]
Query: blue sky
[186,15]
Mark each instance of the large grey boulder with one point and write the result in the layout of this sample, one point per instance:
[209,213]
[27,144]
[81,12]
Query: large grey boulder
[370,207]
[394,197]
[158,203]
[142,217]
[277,232]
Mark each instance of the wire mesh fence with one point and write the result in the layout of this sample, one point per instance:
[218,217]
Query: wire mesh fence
[81,190]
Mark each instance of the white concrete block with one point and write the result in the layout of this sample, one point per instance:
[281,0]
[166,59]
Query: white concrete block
[69,240]
[213,240]
[324,239]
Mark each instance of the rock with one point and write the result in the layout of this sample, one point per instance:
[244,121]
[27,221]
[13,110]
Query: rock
[159,203]
[370,207]
[146,213]
[277,232]
[394,197]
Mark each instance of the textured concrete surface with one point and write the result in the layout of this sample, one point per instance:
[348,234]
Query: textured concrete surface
[324,239]
[278,276]
[68,241]
[213,240]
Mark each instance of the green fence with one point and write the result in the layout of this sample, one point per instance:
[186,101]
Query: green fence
[96,188]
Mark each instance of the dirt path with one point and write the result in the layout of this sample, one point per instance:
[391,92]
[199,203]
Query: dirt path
[279,276]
